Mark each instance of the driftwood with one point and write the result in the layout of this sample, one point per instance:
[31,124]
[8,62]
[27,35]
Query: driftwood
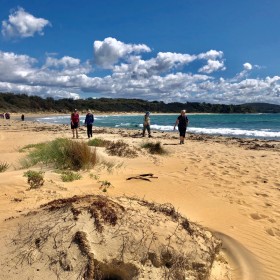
[144,177]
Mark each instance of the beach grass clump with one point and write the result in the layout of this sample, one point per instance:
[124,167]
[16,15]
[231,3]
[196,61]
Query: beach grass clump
[98,142]
[63,154]
[30,146]
[3,166]
[121,149]
[70,176]
[154,148]
[34,178]
[105,185]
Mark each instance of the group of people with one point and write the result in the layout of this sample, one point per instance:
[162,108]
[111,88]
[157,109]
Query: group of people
[5,116]
[75,123]
[182,122]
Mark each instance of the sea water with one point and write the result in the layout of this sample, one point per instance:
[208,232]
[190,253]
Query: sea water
[262,126]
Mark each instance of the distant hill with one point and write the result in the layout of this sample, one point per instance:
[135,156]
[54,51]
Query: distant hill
[264,107]
[23,103]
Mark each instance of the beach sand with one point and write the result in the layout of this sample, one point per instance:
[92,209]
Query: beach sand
[229,186]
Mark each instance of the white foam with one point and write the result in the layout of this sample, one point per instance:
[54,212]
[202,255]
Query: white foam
[236,132]
[123,124]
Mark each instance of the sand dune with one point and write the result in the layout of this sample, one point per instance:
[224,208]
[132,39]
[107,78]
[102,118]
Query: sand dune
[228,186]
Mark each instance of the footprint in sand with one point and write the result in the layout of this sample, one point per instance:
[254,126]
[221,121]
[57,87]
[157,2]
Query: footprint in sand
[257,216]
[273,232]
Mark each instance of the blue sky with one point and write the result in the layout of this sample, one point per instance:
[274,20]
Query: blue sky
[185,50]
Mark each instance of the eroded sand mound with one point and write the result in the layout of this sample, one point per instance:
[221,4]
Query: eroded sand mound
[94,237]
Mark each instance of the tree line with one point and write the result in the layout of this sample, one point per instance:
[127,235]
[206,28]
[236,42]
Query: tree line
[24,103]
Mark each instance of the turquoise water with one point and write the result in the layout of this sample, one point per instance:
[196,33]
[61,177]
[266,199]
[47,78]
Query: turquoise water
[264,126]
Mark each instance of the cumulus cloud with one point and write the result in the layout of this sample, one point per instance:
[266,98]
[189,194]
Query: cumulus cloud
[110,51]
[212,66]
[22,24]
[247,66]
[162,76]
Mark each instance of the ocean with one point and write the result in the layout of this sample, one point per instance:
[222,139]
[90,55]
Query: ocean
[260,126]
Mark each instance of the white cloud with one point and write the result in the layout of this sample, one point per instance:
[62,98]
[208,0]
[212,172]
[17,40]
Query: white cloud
[212,66]
[212,55]
[109,51]
[165,76]
[22,24]
[247,66]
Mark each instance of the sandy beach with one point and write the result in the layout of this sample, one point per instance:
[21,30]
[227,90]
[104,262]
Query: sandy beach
[229,186]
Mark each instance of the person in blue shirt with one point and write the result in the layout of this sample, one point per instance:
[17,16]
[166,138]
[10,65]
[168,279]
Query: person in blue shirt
[89,120]
[182,122]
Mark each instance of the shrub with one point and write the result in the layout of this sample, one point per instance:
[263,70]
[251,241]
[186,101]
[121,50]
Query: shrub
[105,185]
[69,176]
[98,142]
[63,154]
[120,149]
[34,179]
[154,148]
[3,166]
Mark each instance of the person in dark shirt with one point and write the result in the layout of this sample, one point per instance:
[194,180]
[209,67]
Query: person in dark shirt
[89,120]
[146,124]
[182,122]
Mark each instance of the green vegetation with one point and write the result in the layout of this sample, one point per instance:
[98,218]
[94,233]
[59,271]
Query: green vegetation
[121,149]
[3,166]
[34,179]
[154,148]
[22,102]
[105,185]
[69,176]
[98,142]
[62,154]
[31,146]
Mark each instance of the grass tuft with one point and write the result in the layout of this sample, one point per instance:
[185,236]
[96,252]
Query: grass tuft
[120,149]
[62,154]
[69,176]
[98,142]
[34,179]
[3,166]
[154,148]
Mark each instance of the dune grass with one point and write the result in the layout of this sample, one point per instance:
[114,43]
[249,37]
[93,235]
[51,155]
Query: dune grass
[63,154]
[121,149]
[70,176]
[154,148]
[3,166]
[98,142]
[34,178]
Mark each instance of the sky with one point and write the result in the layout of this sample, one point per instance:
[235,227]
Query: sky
[216,51]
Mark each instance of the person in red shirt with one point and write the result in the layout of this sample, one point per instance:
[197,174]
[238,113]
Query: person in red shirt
[75,123]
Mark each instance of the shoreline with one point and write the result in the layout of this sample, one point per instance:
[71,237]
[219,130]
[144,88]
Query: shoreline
[248,142]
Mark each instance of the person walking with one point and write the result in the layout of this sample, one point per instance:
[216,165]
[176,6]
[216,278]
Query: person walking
[89,120]
[182,122]
[146,124]
[75,123]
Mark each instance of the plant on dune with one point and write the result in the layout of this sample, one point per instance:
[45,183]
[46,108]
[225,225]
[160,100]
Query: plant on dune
[98,142]
[154,148]
[34,179]
[62,154]
[31,146]
[69,176]
[105,185]
[121,149]
[3,166]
